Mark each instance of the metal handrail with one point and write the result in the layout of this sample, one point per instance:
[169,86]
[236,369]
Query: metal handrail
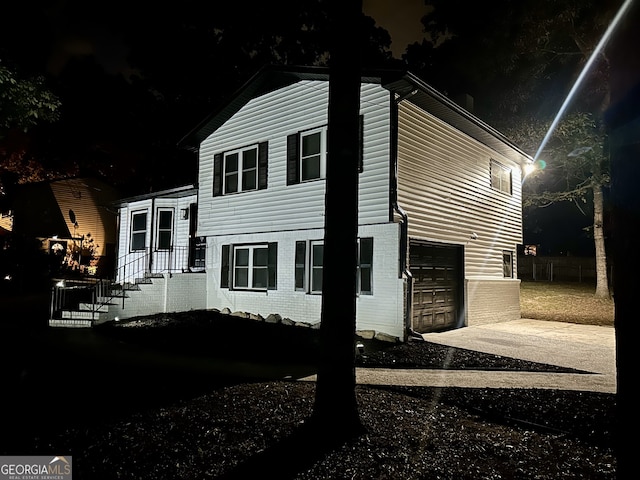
[131,269]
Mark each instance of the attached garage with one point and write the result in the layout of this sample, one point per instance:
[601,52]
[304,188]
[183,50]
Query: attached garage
[438,286]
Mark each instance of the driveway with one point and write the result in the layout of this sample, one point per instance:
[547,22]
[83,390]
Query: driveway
[587,348]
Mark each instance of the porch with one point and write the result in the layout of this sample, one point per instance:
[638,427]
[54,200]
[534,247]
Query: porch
[144,283]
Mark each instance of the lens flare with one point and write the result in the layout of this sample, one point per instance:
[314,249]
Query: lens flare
[625,6]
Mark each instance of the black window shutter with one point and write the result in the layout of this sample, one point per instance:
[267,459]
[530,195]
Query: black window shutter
[361,144]
[217,174]
[293,159]
[272,266]
[225,270]
[263,149]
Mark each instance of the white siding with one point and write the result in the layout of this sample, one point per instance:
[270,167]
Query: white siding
[382,311]
[444,185]
[128,260]
[272,117]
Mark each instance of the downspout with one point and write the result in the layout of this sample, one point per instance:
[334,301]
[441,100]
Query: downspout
[153,212]
[404,269]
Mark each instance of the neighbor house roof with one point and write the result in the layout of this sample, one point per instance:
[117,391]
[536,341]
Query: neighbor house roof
[402,83]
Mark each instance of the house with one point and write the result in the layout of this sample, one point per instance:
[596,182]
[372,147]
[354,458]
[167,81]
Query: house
[440,213]
[72,221]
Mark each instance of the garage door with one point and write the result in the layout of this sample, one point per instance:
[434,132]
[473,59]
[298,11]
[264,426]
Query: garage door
[437,286]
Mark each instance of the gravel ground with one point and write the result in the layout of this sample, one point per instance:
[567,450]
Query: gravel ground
[260,429]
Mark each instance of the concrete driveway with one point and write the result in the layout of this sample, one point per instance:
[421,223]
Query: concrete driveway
[587,348]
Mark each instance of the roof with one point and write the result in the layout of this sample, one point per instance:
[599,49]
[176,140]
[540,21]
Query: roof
[178,192]
[402,83]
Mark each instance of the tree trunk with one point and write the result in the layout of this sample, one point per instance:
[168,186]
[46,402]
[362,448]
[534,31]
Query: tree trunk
[623,120]
[335,406]
[602,280]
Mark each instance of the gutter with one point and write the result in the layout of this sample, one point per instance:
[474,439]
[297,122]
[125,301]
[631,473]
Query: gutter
[404,269]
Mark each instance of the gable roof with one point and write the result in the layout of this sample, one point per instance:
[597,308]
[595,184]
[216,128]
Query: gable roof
[402,83]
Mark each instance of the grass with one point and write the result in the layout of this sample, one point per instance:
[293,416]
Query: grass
[565,302]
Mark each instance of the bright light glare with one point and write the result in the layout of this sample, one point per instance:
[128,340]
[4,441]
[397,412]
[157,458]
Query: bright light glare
[60,283]
[528,168]
[583,74]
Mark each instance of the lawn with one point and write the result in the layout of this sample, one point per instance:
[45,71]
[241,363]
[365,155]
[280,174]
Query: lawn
[565,302]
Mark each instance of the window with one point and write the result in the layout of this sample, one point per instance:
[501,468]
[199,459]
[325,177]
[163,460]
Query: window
[507,264]
[312,156]
[365,264]
[138,231]
[306,156]
[300,268]
[317,262]
[249,267]
[500,177]
[314,263]
[165,229]
[240,170]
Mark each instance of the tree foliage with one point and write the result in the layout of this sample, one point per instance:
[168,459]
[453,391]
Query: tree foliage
[515,57]
[133,85]
[572,162]
[25,102]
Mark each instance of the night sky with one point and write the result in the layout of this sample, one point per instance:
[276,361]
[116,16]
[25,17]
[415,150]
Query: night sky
[125,108]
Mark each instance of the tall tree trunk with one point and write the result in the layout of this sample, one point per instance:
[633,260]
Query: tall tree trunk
[335,406]
[602,280]
[623,120]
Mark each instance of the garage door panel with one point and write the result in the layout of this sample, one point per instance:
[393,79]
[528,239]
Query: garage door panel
[437,278]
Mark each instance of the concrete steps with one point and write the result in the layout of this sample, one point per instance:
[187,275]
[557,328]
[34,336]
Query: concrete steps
[88,314]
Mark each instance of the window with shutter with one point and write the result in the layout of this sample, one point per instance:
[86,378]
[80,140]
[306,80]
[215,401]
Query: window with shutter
[240,170]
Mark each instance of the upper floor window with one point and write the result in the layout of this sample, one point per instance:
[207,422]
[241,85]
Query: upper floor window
[312,155]
[307,154]
[165,229]
[500,177]
[138,231]
[240,170]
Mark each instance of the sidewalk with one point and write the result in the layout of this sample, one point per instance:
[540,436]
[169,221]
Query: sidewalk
[583,347]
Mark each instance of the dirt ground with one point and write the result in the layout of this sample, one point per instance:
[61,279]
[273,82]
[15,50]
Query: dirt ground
[260,427]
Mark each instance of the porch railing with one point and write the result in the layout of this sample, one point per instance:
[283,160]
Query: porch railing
[137,265]
[68,295]
[132,268]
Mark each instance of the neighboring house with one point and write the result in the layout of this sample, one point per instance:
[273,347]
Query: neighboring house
[440,213]
[72,220]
